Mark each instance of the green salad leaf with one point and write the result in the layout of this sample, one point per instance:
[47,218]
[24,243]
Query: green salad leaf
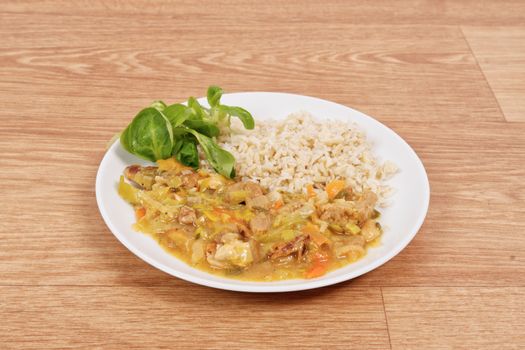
[149,135]
[245,116]
[196,107]
[221,160]
[203,126]
[185,151]
[158,105]
[177,114]
[214,95]
[162,131]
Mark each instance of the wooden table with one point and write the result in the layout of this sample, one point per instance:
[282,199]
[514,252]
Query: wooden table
[448,76]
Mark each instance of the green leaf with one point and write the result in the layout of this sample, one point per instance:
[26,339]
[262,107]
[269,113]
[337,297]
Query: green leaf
[177,114]
[125,140]
[214,95]
[203,127]
[245,116]
[161,131]
[196,107]
[187,152]
[149,135]
[221,160]
[158,105]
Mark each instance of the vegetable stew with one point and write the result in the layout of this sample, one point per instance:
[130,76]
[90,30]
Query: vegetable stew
[240,230]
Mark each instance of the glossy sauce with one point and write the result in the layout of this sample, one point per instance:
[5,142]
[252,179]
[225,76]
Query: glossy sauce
[240,230]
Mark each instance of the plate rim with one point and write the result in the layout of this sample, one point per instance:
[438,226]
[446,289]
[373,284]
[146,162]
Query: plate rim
[269,287]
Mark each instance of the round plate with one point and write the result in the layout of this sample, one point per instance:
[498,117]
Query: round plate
[402,218]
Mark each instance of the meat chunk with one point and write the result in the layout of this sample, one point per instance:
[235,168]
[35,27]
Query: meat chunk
[260,223]
[187,216]
[259,202]
[190,180]
[337,212]
[341,211]
[230,252]
[295,246]
[371,230]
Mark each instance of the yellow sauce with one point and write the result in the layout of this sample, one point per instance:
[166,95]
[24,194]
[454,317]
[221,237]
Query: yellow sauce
[209,222]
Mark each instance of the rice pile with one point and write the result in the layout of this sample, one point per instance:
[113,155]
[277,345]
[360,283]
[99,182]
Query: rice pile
[288,155]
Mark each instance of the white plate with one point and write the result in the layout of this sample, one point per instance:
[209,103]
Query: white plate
[403,218]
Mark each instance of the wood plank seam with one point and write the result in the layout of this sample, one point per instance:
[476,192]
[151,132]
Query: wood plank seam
[386,318]
[483,74]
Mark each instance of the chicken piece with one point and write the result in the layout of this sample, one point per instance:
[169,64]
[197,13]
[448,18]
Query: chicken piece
[230,252]
[144,177]
[371,230]
[241,191]
[337,212]
[259,202]
[190,179]
[295,246]
[341,212]
[260,223]
[187,216]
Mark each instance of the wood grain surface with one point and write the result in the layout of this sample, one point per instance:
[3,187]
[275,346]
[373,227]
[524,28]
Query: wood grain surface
[500,52]
[445,75]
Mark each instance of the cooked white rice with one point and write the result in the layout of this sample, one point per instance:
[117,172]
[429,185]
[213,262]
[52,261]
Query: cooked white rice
[290,154]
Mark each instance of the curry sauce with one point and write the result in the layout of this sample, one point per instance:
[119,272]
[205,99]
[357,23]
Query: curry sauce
[238,229]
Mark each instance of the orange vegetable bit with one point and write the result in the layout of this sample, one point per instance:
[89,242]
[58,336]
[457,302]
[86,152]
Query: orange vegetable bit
[140,212]
[334,187]
[310,191]
[320,264]
[278,204]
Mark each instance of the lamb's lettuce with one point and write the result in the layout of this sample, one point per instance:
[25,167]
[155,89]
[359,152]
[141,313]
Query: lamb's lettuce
[161,131]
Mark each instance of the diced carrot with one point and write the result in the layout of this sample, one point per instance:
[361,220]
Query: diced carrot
[310,191]
[278,204]
[334,187]
[319,267]
[140,212]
